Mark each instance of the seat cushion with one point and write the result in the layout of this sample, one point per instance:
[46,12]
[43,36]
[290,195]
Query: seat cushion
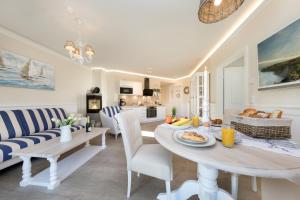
[153,160]
[111,111]
[11,124]
[37,120]
[13,144]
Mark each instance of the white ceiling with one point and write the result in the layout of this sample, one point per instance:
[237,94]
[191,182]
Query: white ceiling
[131,35]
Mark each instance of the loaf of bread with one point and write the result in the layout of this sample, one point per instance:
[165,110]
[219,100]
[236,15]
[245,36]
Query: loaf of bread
[251,112]
[217,121]
[248,112]
[276,114]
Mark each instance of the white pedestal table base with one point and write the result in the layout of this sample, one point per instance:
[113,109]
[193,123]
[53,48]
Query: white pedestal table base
[206,187]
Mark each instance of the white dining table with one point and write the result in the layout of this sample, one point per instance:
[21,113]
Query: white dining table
[240,159]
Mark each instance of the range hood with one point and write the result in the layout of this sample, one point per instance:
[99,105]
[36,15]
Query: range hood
[147,91]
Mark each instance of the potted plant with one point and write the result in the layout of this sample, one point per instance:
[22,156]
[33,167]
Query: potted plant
[173,112]
[65,127]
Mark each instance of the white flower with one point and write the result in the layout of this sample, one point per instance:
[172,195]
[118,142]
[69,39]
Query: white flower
[53,119]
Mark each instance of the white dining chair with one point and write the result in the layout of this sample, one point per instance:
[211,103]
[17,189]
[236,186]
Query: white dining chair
[148,159]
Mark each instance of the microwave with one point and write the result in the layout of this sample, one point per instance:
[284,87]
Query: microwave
[126,90]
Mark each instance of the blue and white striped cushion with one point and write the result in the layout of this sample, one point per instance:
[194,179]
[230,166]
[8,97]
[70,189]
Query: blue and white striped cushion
[111,110]
[11,124]
[37,120]
[10,145]
[59,113]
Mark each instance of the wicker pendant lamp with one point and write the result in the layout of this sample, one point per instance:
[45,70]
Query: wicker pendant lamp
[212,11]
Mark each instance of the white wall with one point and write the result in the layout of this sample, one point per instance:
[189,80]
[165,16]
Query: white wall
[170,99]
[71,80]
[276,15]
[109,82]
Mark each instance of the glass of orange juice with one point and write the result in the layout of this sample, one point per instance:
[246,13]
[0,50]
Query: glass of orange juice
[196,121]
[228,136]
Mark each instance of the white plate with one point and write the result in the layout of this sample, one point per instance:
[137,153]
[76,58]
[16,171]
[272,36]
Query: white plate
[179,136]
[178,127]
[211,141]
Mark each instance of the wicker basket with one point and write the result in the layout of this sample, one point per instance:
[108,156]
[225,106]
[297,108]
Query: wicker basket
[263,128]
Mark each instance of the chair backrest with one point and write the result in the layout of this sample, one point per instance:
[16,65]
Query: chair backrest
[131,133]
[111,111]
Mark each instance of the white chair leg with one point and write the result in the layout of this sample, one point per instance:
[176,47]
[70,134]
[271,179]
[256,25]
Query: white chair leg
[168,189]
[116,136]
[128,184]
[253,184]
[234,185]
[138,175]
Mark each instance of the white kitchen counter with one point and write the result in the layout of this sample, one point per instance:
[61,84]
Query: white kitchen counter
[142,111]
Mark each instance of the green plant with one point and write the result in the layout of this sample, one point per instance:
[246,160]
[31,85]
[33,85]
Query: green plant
[173,112]
[65,122]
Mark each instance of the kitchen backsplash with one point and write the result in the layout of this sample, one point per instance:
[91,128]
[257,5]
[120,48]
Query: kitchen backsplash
[132,100]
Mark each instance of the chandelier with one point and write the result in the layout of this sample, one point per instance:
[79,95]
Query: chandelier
[79,52]
[212,11]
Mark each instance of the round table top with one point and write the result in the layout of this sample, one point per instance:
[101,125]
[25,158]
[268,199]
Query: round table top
[240,159]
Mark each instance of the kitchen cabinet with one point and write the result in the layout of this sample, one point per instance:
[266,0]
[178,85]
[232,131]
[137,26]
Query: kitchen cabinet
[154,83]
[137,87]
[142,113]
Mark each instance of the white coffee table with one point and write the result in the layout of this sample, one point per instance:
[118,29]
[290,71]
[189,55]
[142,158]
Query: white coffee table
[51,150]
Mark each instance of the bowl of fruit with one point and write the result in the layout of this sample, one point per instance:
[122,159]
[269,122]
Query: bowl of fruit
[178,123]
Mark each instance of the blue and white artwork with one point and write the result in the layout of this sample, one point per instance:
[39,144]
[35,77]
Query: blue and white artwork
[19,71]
[279,58]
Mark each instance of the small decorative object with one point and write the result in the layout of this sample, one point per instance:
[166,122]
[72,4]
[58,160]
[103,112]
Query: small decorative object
[212,11]
[173,112]
[65,128]
[88,126]
[186,90]
[20,71]
[227,136]
[279,58]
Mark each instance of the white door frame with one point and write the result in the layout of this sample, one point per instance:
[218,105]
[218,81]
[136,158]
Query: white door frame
[220,78]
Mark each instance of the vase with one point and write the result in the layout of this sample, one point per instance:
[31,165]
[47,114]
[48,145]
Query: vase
[65,134]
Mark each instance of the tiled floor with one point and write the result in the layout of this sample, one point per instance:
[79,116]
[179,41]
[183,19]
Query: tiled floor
[104,178]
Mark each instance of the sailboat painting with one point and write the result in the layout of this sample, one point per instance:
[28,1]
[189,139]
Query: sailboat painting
[19,71]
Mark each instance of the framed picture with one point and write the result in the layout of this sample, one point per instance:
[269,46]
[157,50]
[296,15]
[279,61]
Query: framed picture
[279,58]
[20,71]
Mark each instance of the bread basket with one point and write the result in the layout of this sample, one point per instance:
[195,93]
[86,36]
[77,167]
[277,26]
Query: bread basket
[264,128]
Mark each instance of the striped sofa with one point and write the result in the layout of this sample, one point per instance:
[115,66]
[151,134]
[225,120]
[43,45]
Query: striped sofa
[20,129]
[108,120]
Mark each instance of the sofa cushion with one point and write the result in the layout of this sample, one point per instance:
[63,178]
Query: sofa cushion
[111,111]
[11,124]
[37,120]
[10,145]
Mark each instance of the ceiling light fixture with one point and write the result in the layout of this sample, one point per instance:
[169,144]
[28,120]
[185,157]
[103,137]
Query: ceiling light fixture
[79,51]
[212,11]
[217,2]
